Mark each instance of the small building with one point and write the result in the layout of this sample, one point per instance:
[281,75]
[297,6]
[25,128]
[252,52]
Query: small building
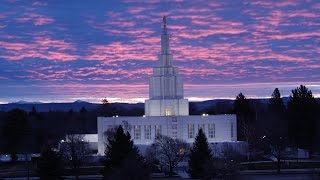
[91,139]
[167,111]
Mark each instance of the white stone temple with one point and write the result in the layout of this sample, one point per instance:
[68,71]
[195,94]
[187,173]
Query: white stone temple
[167,112]
[166,87]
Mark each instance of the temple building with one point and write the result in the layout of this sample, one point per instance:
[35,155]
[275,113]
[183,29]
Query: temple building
[166,87]
[166,110]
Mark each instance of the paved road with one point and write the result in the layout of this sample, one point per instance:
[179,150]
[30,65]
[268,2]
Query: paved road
[241,177]
[89,177]
[280,177]
[283,171]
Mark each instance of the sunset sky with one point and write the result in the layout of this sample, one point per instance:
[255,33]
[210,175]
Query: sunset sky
[65,50]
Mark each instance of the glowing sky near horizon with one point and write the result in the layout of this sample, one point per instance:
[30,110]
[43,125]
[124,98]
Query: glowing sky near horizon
[64,50]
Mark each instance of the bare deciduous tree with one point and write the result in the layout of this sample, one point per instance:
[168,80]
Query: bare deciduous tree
[170,152]
[249,135]
[75,151]
[278,150]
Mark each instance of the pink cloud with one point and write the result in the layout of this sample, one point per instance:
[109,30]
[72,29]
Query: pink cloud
[206,25]
[109,28]
[39,3]
[54,55]
[201,33]
[49,75]
[272,4]
[139,9]
[47,42]
[303,35]
[41,47]
[194,9]
[35,18]
[303,13]
[152,1]
[3,78]
[152,41]
[118,51]
[43,20]
[316,6]
[2,26]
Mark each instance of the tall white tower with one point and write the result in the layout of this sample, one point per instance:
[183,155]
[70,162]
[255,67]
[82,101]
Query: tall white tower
[165,86]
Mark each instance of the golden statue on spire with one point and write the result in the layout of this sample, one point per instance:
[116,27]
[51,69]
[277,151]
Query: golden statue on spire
[164,20]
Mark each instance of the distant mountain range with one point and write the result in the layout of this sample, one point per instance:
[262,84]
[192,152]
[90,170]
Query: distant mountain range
[77,105]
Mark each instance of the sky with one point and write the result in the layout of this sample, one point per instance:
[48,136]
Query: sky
[66,50]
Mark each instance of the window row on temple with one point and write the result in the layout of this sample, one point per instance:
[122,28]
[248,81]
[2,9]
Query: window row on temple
[210,133]
[147,131]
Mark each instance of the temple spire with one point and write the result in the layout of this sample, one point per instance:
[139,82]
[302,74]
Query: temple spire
[164,20]
[165,55]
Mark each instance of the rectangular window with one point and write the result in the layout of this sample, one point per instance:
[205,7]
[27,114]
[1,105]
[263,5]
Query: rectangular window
[137,131]
[190,131]
[231,130]
[174,135]
[201,126]
[168,112]
[147,131]
[174,119]
[211,130]
[174,126]
[157,130]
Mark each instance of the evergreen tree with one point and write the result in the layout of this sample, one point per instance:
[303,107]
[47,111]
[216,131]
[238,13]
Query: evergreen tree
[275,102]
[33,111]
[302,117]
[50,165]
[120,153]
[242,110]
[17,131]
[277,115]
[278,136]
[83,119]
[241,107]
[200,153]
[83,110]
[106,108]
[118,147]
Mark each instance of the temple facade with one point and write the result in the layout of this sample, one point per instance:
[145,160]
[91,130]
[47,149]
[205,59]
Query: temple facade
[166,110]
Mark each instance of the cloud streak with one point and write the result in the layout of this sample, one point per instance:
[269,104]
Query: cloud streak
[221,42]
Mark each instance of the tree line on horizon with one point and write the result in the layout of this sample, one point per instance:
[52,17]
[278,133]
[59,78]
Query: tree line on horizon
[271,128]
[297,121]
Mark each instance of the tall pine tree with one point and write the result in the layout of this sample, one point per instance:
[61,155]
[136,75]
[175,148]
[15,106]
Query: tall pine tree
[275,102]
[302,117]
[118,148]
[123,160]
[18,130]
[50,165]
[200,153]
[277,115]
[242,110]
